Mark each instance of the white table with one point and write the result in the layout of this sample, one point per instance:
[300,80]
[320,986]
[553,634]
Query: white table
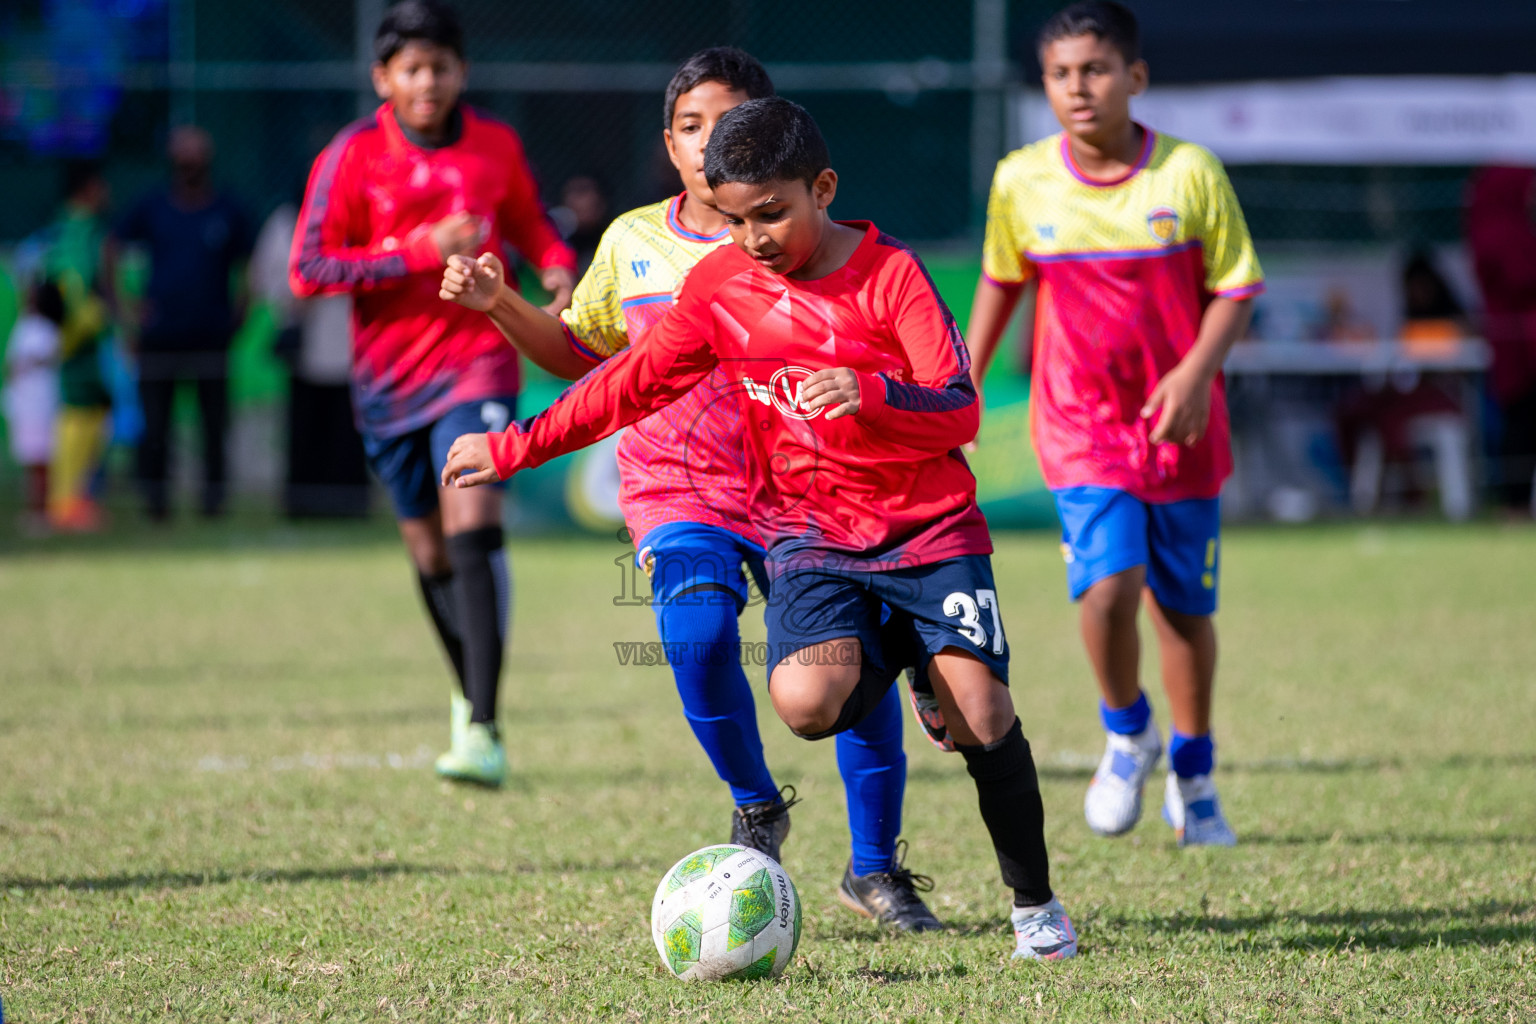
[1255,369]
[1468,356]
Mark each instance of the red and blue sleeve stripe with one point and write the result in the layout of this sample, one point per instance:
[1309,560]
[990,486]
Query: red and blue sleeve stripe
[312,266]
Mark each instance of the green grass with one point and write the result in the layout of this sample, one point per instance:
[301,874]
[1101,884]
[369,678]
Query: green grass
[217,801]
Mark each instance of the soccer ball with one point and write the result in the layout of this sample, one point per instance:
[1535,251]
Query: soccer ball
[725,912]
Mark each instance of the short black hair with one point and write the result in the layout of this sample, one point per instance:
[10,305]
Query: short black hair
[413,21]
[48,300]
[1110,21]
[771,139]
[725,64]
[80,174]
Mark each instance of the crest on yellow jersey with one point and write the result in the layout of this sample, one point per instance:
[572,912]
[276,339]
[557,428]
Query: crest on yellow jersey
[1163,222]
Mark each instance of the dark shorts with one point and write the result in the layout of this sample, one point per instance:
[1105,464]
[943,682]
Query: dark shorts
[410,465]
[1106,531]
[901,617]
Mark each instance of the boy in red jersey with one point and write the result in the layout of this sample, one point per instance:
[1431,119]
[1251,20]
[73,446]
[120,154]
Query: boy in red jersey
[855,394]
[388,202]
[1146,275]
[683,489]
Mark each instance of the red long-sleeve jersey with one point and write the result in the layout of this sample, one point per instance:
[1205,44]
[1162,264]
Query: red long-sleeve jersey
[885,488]
[365,228]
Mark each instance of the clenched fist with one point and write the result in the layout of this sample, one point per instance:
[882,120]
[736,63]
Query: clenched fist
[473,283]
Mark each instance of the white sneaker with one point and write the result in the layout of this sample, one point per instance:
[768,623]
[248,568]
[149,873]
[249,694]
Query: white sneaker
[1113,803]
[1043,933]
[1192,807]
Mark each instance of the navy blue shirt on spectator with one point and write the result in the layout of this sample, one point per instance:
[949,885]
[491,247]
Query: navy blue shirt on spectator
[192,255]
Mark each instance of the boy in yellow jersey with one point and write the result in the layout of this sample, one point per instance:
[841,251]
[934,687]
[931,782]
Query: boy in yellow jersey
[1146,275]
[684,495]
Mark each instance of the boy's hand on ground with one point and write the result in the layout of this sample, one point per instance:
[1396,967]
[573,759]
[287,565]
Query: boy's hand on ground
[473,283]
[1184,398]
[458,234]
[560,283]
[837,391]
[469,462]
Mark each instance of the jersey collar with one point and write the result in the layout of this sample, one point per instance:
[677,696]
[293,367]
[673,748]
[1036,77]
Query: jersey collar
[1148,141]
[675,223]
[455,128]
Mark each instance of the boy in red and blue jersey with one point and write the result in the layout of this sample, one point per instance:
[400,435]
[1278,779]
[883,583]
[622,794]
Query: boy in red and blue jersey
[683,491]
[854,391]
[389,200]
[1145,273]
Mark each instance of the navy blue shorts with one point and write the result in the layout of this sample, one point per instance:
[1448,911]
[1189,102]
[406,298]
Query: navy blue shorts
[901,617]
[1105,531]
[409,466]
[692,557]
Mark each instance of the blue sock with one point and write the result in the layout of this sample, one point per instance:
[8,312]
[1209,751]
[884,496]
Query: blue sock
[1191,755]
[704,641]
[1126,721]
[874,770]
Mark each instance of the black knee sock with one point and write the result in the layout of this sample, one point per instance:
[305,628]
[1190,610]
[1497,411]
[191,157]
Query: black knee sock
[477,557]
[1009,794]
[437,592]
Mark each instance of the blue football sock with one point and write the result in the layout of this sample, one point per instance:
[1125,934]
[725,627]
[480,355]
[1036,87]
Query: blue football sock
[874,770]
[1126,721]
[1191,755]
[703,644]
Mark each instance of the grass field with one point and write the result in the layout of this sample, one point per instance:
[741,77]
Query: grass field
[217,801]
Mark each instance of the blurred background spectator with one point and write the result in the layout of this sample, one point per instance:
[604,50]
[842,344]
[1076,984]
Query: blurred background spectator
[67,252]
[582,217]
[32,395]
[327,474]
[197,240]
[1502,237]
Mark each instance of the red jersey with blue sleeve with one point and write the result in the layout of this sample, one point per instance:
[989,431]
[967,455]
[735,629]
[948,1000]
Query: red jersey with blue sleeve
[365,228]
[1126,270]
[883,489]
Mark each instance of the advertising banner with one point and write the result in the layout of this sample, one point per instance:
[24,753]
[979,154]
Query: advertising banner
[1347,120]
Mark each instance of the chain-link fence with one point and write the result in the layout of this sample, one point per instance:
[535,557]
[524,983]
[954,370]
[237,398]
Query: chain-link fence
[909,94]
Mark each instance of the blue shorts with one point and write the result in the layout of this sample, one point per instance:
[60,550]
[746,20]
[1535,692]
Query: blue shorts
[1105,531]
[410,465]
[901,617]
[683,559]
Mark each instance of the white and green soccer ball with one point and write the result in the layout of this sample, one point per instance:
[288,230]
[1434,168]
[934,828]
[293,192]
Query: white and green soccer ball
[726,912]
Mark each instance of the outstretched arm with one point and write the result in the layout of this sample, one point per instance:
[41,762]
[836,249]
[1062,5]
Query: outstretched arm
[664,365]
[533,331]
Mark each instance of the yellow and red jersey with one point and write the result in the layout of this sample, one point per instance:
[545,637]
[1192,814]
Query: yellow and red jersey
[1126,269]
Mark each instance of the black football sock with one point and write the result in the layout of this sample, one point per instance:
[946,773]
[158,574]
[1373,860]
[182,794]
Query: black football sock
[477,557]
[437,592]
[1009,793]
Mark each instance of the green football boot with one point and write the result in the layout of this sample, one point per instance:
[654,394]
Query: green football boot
[458,720]
[479,759]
